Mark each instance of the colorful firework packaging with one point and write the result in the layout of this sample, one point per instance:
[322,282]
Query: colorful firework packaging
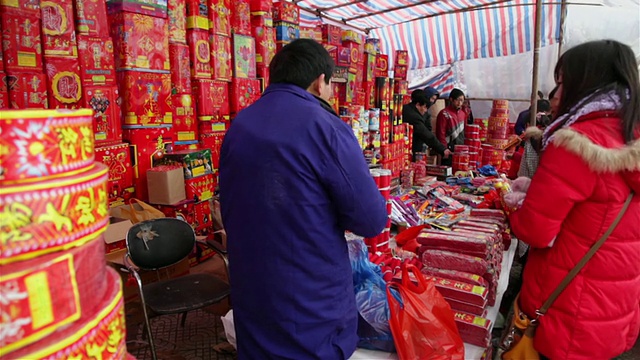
[185,127]
[4,92]
[64,85]
[221,58]
[200,54]
[241,18]
[220,17]
[265,41]
[180,69]
[141,42]
[105,103]
[96,60]
[59,36]
[155,8]
[146,98]
[91,18]
[118,159]
[21,36]
[244,92]
[244,57]
[27,90]
[197,14]
[177,14]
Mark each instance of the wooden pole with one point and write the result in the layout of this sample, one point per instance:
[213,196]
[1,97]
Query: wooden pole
[563,16]
[536,55]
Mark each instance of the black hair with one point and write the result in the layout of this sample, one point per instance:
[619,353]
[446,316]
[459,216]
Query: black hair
[300,63]
[544,105]
[597,67]
[540,95]
[553,92]
[455,94]
[419,97]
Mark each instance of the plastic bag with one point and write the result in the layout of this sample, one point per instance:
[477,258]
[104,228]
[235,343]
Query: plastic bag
[371,300]
[423,325]
[229,328]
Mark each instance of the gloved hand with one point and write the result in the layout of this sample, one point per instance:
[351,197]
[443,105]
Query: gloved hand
[521,184]
[514,199]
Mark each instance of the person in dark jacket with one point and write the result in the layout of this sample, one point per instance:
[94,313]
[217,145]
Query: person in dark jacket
[525,117]
[292,180]
[416,115]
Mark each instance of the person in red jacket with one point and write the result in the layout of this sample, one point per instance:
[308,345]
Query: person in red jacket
[589,166]
[451,120]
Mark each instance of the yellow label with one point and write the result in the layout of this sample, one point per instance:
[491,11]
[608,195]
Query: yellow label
[479,321]
[205,118]
[167,65]
[11,3]
[197,22]
[101,136]
[218,127]
[479,290]
[475,277]
[142,62]
[206,195]
[26,59]
[186,135]
[99,79]
[39,299]
[168,118]
[258,58]
[197,172]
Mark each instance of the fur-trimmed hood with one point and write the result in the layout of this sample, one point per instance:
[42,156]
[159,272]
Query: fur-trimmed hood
[624,160]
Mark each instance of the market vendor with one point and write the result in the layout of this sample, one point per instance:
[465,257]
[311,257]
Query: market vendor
[292,181]
[451,120]
[417,115]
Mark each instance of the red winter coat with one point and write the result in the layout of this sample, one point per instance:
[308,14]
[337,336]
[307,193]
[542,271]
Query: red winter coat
[584,177]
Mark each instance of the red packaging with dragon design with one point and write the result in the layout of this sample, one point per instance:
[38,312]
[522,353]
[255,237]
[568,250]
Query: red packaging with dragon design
[180,69]
[146,98]
[27,90]
[58,31]
[64,85]
[199,53]
[91,18]
[244,92]
[220,17]
[21,41]
[185,126]
[141,42]
[241,17]
[118,159]
[221,58]
[97,66]
[265,44]
[177,14]
[107,115]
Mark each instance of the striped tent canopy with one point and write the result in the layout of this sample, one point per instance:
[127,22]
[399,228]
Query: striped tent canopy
[440,32]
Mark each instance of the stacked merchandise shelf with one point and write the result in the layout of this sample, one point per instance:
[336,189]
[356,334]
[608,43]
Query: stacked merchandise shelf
[60,300]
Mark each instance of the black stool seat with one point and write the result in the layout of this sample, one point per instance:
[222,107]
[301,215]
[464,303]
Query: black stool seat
[185,293]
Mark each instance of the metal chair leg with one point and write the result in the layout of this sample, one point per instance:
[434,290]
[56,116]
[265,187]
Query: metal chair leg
[146,316]
[184,319]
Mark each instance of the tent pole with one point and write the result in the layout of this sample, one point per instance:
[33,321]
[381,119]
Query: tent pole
[563,17]
[536,55]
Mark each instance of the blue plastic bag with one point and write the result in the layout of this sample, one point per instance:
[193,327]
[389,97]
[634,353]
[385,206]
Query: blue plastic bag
[371,299]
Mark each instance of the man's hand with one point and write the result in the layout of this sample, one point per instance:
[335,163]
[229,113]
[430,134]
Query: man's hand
[447,153]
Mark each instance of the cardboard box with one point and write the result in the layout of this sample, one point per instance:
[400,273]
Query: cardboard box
[197,14]
[27,90]
[97,65]
[166,185]
[146,97]
[21,41]
[241,18]
[141,42]
[154,8]
[244,92]
[286,11]
[58,28]
[180,69]
[200,188]
[185,126]
[195,163]
[64,86]
[221,58]
[116,234]
[244,57]
[107,115]
[286,32]
[331,34]
[265,40]
[91,18]
[118,158]
[177,15]
[199,53]
[220,17]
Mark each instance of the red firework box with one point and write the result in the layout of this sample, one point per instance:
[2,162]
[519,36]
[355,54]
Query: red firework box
[185,127]
[286,11]
[358,69]
[383,93]
[146,98]
[107,115]
[64,86]
[195,163]
[369,94]
[4,92]
[118,159]
[360,97]
[147,145]
[261,7]
[262,20]
[241,18]
[59,36]
[1,57]
[155,8]
[21,41]
[200,54]
[402,58]
[313,33]
[221,58]
[200,188]
[400,72]
[244,92]
[91,18]
[220,17]
[27,90]
[244,57]
[180,69]
[177,14]
[198,215]
[24,6]
[351,36]
[97,66]
[369,67]
[286,32]
[382,65]
[212,98]
[213,142]
[197,14]
[141,42]
[401,88]
[332,50]
[185,145]
[351,88]
[265,40]
[331,34]
[344,56]
[355,55]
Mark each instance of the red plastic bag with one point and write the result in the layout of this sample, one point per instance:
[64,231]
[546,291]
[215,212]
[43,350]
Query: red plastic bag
[423,325]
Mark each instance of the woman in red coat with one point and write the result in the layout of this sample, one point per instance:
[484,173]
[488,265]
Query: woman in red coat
[590,164]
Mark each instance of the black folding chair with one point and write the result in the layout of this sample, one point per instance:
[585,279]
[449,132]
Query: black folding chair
[157,244]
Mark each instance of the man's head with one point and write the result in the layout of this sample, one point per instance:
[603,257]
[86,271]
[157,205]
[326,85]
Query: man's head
[420,101]
[456,97]
[432,94]
[304,63]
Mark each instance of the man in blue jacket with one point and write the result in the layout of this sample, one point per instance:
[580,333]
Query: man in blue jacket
[292,180]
